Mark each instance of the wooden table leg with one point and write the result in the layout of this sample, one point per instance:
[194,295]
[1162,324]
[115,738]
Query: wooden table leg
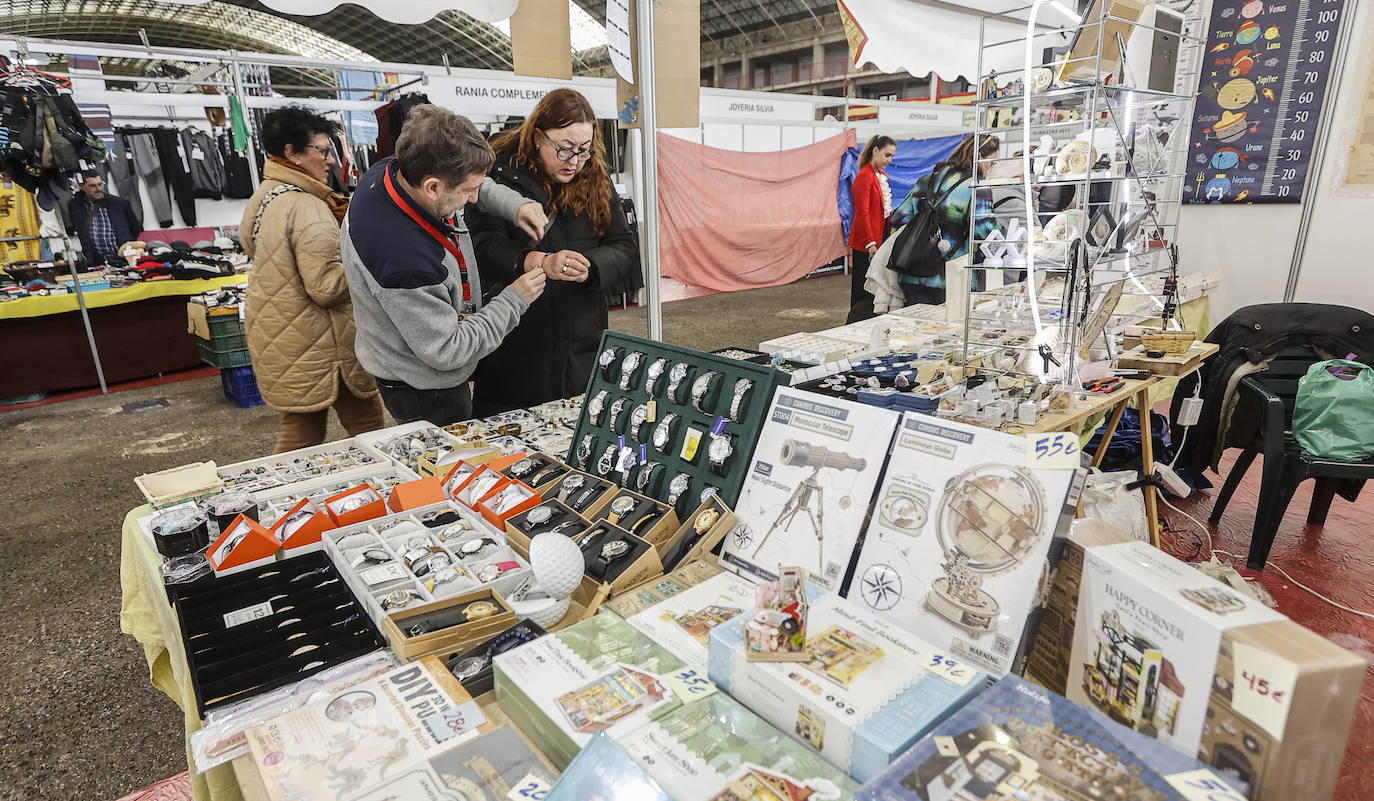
[1111,429]
[1147,464]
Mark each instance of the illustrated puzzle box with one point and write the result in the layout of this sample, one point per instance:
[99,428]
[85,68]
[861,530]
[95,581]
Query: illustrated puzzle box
[868,692]
[682,622]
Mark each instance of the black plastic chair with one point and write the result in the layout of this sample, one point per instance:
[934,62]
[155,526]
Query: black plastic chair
[1285,465]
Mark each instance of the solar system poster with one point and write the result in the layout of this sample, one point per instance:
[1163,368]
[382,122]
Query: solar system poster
[1260,93]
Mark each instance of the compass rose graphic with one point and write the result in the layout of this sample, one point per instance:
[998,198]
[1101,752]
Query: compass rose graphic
[881,587]
[743,536]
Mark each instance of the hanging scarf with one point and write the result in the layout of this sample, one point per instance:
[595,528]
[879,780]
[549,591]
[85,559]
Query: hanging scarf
[338,204]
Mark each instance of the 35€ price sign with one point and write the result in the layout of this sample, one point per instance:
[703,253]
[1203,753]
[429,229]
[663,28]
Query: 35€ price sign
[690,685]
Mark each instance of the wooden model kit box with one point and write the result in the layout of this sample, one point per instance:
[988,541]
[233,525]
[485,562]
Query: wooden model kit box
[867,691]
[1175,655]
[962,540]
[1019,741]
[593,676]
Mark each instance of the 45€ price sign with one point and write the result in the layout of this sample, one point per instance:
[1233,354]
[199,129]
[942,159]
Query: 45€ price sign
[1260,93]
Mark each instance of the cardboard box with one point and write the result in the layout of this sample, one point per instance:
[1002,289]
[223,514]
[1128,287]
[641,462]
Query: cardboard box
[1017,740]
[244,544]
[1176,655]
[660,529]
[342,507]
[962,537]
[414,494]
[596,675]
[644,595]
[682,622]
[514,495]
[519,539]
[478,485]
[868,692]
[636,567]
[456,477]
[304,524]
[689,543]
[451,638]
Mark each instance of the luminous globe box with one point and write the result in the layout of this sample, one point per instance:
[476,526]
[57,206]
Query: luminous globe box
[962,540]
[714,749]
[867,692]
[1020,741]
[593,676]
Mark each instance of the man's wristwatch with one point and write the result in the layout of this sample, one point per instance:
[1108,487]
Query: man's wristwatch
[616,409]
[655,372]
[676,376]
[611,552]
[739,402]
[663,432]
[571,484]
[678,487]
[596,406]
[628,367]
[474,547]
[702,389]
[537,516]
[644,477]
[637,418]
[522,468]
[720,450]
[705,520]
[606,461]
[620,507]
[584,450]
[607,360]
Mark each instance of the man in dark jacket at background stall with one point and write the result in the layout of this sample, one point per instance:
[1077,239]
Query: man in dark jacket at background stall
[103,221]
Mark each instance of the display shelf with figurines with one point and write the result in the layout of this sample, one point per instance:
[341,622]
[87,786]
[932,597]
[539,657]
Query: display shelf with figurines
[671,423]
[1078,175]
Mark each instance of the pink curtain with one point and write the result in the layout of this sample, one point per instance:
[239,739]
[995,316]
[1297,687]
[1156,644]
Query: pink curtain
[733,220]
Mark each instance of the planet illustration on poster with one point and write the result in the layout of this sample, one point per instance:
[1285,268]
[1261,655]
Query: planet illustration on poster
[1242,62]
[1271,33]
[1252,9]
[1236,94]
[1226,158]
[1218,188]
[1230,127]
[1271,62]
[1248,32]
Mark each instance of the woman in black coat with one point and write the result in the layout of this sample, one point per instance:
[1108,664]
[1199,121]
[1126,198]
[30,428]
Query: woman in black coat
[556,158]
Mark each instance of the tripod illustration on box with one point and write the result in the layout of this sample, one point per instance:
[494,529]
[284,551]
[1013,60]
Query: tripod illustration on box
[816,457]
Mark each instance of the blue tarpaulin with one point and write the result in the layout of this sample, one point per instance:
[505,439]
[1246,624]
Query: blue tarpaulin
[915,158]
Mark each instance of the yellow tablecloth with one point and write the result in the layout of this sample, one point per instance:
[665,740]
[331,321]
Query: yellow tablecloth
[56,304]
[148,616]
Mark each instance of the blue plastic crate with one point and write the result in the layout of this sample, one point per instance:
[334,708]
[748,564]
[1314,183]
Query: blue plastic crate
[240,386]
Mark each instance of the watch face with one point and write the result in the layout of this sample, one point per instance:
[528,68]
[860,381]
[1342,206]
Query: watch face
[656,369]
[661,434]
[469,667]
[640,414]
[631,362]
[574,482]
[597,404]
[473,546]
[522,467]
[680,483]
[702,384]
[480,609]
[623,504]
[614,548]
[607,356]
[584,449]
[678,373]
[642,477]
[539,515]
[721,448]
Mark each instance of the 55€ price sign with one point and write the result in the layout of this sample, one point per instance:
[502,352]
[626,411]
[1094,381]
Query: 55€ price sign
[1057,451]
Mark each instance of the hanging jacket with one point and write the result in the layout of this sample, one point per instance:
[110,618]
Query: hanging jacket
[550,354]
[202,156]
[1249,339]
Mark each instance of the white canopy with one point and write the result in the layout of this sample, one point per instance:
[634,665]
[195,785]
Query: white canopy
[405,12]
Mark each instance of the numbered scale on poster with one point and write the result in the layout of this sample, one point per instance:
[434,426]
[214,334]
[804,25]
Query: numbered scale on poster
[1260,94]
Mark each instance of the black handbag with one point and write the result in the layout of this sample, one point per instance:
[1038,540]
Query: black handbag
[916,251]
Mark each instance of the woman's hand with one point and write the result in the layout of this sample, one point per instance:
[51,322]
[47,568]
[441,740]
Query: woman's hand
[567,265]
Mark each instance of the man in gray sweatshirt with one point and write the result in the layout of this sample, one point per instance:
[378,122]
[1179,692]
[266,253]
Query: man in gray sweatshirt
[422,324]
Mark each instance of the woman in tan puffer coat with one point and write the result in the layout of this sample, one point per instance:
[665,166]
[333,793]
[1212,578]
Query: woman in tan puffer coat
[299,318]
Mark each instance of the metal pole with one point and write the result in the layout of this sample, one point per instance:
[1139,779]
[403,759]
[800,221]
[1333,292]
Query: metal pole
[1324,126]
[648,123]
[238,90]
[69,253]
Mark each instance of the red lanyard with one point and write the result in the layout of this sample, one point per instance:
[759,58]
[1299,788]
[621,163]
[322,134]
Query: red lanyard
[447,241]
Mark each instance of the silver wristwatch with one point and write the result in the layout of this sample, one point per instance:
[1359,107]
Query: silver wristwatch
[663,432]
[678,487]
[701,388]
[654,373]
[739,402]
[675,378]
[628,366]
[596,406]
[637,418]
[616,409]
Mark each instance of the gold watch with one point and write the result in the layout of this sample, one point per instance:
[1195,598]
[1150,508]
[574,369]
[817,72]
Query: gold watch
[479,609]
[705,520]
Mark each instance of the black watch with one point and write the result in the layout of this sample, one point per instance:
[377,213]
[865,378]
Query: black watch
[611,552]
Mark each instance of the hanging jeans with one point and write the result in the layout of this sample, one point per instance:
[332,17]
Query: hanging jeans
[176,172]
[149,168]
[121,168]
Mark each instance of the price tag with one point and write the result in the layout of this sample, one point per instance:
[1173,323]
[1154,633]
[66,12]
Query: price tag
[1203,785]
[1057,451]
[197,154]
[1262,689]
[719,427]
[953,671]
[455,721]
[387,572]
[247,614]
[690,685]
[652,416]
[690,443]
[643,453]
[530,788]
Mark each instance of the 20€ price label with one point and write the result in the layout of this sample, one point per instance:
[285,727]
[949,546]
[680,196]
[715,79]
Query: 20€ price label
[956,672]
[1057,451]
[530,788]
[690,685]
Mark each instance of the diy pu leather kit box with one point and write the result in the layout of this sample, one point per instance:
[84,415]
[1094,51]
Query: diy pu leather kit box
[1176,655]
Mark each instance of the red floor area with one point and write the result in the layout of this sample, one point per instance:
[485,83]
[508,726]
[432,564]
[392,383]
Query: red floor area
[172,788]
[1334,560]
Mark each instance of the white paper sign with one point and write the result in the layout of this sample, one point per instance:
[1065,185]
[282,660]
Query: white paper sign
[530,788]
[1203,785]
[1057,451]
[618,38]
[941,665]
[381,573]
[247,614]
[1262,689]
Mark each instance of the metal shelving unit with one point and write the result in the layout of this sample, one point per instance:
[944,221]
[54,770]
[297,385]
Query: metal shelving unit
[1115,196]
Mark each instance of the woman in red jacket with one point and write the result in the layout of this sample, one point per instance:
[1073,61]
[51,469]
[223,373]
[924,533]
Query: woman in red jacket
[872,204]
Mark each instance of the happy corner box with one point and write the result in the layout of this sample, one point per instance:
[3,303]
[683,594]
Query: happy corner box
[1019,741]
[962,538]
[1176,655]
[868,691]
[597,675]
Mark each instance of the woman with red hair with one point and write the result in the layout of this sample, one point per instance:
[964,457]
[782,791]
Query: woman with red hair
[557,158]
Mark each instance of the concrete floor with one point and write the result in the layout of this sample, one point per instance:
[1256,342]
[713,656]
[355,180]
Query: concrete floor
[78,717]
